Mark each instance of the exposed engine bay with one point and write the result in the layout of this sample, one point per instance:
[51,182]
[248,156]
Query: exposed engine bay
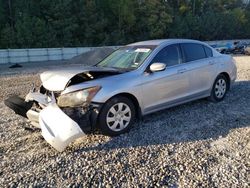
[87,76]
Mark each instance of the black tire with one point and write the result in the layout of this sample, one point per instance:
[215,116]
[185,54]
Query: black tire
[18,104]
[102,120]
[213,97]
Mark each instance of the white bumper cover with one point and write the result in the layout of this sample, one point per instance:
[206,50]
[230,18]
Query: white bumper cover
[57,128]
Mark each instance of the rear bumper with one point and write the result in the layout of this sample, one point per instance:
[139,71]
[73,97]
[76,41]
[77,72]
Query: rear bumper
[59,126]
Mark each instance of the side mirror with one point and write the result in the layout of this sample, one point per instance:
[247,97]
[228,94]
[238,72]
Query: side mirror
[155,67]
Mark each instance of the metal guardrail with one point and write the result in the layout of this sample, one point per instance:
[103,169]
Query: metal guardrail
[49,54]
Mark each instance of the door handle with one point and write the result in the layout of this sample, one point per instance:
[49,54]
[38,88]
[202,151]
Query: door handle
[181,71]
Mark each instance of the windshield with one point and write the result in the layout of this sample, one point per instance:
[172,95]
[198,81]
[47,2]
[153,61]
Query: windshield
[128,57]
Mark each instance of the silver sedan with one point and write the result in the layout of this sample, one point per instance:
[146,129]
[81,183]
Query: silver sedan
[133,81]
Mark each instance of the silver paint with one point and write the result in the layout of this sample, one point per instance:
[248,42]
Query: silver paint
[156,90]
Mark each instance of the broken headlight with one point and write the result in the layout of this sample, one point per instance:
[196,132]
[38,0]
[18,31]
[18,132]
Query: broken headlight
[78,98]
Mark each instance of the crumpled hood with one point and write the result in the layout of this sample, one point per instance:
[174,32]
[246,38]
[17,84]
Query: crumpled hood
[57,80]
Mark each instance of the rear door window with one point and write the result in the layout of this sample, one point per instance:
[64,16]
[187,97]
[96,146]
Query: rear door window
[169,55]
[193,51]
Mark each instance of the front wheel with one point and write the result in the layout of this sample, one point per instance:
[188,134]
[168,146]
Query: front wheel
[220,88]
[117,116]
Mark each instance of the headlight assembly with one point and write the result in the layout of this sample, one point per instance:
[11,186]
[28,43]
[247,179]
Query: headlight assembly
[78,98]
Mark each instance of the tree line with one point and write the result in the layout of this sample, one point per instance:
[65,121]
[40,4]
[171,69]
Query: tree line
[69,23]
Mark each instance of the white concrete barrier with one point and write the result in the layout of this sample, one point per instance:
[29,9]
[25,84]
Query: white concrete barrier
[49,54]
[41,54]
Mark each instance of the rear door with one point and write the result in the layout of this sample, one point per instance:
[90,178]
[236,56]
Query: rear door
[201,67]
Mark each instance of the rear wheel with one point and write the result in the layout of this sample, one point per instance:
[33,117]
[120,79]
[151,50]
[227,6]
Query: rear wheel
[220,88]
[117,116]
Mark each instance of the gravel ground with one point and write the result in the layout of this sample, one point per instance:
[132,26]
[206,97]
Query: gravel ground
[199,144]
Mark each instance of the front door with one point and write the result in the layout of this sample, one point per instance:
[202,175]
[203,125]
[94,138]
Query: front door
[160,89]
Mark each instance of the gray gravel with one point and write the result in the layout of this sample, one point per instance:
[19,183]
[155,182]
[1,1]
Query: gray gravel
[199,144]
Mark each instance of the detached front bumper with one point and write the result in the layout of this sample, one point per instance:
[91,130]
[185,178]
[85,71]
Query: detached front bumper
[58,129]
[59,126]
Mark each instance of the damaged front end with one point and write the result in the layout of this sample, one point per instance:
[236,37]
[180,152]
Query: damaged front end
[61,116]
[59,125]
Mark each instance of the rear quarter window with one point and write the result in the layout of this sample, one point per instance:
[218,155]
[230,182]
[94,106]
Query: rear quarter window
[193,51]
[208,51]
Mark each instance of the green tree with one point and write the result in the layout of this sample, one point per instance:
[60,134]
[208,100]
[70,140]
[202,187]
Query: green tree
[58,23]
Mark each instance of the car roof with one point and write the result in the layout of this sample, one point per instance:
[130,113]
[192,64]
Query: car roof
[163,41]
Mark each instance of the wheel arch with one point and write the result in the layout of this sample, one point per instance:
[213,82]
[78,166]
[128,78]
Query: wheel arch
[227,77]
